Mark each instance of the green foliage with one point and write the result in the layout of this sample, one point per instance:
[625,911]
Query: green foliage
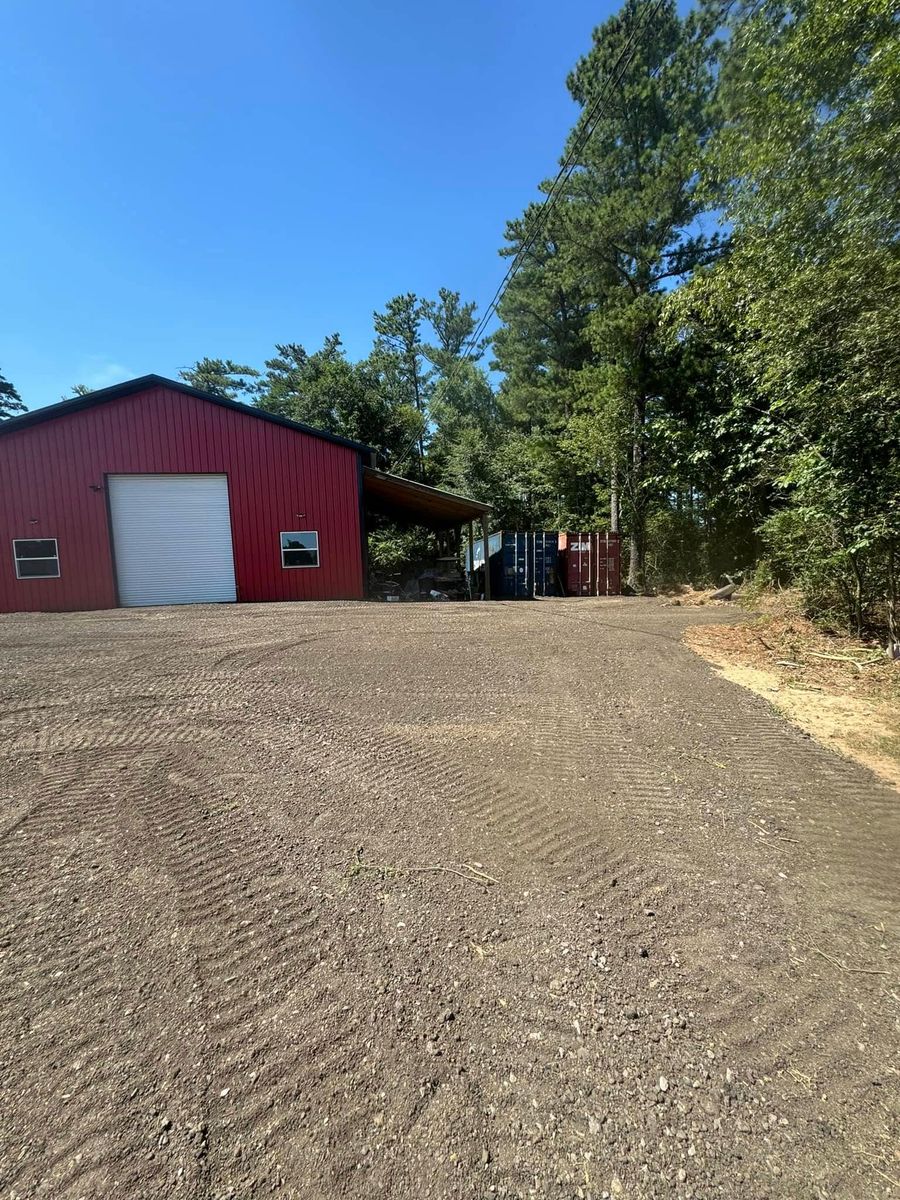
[221,377]
[810,294]
[581,347]
[10,401]
[397,359]
[396,553]
[325,390]
[79,389]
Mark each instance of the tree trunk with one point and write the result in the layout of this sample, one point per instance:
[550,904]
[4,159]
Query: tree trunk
[893,618]
[614,501]
[638,516]
[634,564]
[858,594]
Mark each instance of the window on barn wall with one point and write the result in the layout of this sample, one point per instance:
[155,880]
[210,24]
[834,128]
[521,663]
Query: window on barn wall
[36,558]
[300,549]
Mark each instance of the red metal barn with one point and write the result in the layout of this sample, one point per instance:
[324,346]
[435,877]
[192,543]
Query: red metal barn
[152,492]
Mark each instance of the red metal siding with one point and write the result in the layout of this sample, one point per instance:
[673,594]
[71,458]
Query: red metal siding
[49,473]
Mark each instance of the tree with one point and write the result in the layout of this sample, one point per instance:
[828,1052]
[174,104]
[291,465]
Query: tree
[632,218]
[454,324]
[587,373]
[542,342]
[221,377]
[811,290]
[461,401]
[397,358]
[79,389]
[325,390]
[10,401]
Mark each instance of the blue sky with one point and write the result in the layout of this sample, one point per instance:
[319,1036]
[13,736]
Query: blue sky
[207,177]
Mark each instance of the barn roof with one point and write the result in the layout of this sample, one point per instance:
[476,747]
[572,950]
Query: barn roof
[148,382]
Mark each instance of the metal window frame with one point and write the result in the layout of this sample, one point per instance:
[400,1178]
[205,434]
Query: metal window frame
[300,566]
[36,558]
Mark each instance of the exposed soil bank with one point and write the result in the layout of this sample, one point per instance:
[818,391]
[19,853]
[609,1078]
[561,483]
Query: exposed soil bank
[843,693]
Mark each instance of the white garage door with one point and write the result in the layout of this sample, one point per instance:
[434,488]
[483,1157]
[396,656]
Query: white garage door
[172,538]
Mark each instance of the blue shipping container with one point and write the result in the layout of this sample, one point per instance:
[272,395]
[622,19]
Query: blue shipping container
[522,564]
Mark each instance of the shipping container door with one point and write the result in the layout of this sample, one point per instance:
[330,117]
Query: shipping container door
[172,539]
[580,565]
[545,554]
[607,559]
[516,581]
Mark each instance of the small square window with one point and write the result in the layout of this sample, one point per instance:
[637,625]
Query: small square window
[300,549]
[36,558]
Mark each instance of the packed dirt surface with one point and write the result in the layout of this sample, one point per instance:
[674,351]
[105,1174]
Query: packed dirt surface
[473,900]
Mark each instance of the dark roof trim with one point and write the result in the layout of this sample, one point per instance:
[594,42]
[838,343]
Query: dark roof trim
[407,498]
[147,383]
[426,490]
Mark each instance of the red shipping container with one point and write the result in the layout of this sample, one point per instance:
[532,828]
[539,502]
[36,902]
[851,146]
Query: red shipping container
[590,563]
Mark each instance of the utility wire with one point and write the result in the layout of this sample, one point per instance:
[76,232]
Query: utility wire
[564,173]
[555,191]
[571,160]
[550,201]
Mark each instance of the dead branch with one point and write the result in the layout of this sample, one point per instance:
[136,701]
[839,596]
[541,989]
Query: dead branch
[465,871]
[836,962]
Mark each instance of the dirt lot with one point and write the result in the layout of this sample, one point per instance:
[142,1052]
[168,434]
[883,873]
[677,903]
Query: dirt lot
[226,973]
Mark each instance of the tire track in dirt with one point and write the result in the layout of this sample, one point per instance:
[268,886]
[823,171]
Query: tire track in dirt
[544,821]
[553,1048]
[222,829]
[272,963]
[786,1015]
[61,958]
[92,735]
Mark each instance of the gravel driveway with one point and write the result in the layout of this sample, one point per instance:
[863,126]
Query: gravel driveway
[438,901]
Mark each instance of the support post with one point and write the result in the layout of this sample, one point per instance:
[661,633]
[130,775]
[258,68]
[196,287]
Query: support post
[487,557]
[471,558]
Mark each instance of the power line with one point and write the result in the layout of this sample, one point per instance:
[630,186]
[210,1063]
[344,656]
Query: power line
[563,174]
[571,161]
[554,193]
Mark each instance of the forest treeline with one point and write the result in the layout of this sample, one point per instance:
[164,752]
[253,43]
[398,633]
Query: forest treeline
[702,346]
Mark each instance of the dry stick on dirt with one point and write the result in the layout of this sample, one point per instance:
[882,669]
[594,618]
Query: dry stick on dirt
[873,1163]
[843,966]
[799,1077]
[466,871]
[869,662]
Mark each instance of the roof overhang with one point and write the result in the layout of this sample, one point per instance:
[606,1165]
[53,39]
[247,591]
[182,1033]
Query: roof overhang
[417,504]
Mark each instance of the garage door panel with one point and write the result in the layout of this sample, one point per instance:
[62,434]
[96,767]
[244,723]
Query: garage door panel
[172,539]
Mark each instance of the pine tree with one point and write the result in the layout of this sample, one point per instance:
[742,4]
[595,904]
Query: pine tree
[221,377]
[632,215]
[397,357]
[585,367]
[10,401]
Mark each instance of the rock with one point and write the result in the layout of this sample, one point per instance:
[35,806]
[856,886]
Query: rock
[663,1083]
